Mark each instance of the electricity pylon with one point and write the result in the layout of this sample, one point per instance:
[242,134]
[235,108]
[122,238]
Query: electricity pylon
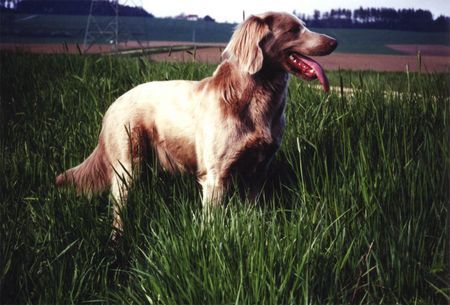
[101,28]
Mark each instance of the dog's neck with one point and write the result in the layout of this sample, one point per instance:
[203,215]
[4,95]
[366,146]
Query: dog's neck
[256,96]
[273,77]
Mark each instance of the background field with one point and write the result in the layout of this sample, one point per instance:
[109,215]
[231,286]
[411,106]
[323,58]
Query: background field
[70,29]
[186,41]
[355,210]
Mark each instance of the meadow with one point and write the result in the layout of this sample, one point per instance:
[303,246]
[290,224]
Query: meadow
[354,212]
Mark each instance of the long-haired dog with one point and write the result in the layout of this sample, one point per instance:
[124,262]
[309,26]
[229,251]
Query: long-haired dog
[229,123]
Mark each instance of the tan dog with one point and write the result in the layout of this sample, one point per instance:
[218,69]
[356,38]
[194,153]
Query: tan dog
[231,122]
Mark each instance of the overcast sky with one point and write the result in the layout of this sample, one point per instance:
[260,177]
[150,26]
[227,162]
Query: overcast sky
[231,10]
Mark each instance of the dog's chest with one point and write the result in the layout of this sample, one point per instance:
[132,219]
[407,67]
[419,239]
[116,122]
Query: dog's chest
[263,141]
[257,151]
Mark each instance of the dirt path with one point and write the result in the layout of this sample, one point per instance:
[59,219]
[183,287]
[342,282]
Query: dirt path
[424,49]
[73,48]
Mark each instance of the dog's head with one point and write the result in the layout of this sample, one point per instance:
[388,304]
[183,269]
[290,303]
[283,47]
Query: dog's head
[279,40]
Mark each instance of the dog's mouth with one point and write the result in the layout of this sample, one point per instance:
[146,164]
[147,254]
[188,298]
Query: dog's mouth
[308,69]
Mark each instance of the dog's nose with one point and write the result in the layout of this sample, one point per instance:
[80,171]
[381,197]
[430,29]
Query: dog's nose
[333,44]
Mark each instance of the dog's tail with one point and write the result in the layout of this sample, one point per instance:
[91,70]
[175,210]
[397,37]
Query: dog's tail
[91,176]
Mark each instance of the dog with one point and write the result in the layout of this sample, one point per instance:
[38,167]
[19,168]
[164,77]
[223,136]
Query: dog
[225,125]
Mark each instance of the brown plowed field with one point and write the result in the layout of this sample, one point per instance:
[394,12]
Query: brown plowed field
[433,59]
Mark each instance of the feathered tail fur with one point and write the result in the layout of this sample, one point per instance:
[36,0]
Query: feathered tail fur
[93,175]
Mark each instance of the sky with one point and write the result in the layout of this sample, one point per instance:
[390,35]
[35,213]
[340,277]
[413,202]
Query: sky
[231,10]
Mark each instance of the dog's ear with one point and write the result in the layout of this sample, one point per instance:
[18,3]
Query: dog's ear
[244,46]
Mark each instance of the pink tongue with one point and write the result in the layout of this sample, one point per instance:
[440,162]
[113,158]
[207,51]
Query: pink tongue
[319,71]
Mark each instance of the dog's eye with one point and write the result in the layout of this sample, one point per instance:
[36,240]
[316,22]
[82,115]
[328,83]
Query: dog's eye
[295,30]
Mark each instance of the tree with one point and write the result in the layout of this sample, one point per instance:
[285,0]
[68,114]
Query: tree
[209,19]
[316,15]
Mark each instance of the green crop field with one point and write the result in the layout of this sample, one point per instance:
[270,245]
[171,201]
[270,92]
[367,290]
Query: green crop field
[374,41]
[355,210]
[60,29]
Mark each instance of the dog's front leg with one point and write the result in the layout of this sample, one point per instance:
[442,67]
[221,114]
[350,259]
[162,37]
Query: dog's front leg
[214,188]
[258,179]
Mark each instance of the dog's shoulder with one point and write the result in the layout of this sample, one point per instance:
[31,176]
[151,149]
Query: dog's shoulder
[234,88]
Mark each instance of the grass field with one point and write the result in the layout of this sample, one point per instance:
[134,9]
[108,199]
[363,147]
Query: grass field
[355,212]
[69,29]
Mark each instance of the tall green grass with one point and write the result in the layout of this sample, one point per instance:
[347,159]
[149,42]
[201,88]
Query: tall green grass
[355,210]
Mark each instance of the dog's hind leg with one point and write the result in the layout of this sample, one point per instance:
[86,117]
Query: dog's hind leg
[126,167]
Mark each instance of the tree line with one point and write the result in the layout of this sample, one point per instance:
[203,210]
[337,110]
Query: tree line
[378,18]
[72,7]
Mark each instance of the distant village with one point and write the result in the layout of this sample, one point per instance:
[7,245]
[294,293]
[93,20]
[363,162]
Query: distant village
[192,17]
